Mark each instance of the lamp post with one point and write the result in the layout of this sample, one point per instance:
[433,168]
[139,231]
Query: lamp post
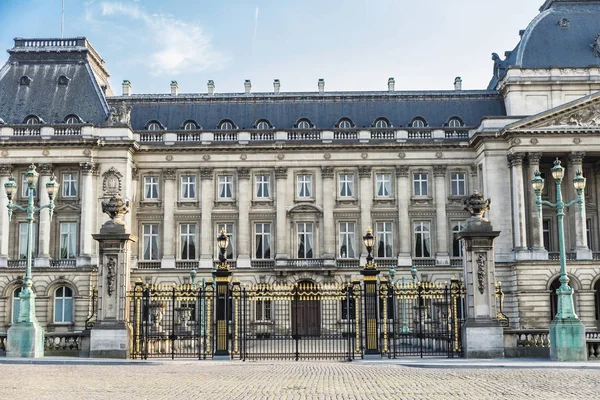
[26,337]
[222,275]
[567,333]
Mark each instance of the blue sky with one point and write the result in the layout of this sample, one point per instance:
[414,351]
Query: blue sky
[352,44]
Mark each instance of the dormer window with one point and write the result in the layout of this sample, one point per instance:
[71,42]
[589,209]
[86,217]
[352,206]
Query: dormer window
[381,123]
[345,123]
[72,119]
[455,122]
[303,124]
[153,126]
[418,123]
[190,126]
[63,80]
[32,120]
[263,124]
[226,125]
[25,80]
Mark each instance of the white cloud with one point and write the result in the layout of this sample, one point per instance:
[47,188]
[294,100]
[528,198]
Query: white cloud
[176,46]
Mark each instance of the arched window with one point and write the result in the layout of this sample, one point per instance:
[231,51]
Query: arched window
[554,298]
[25,80]
[226,125]
[455,122]
[381,123]
[32,120]
[345,123]
[16,302]
[303,124]
[63,304]
[63,80]
[190,126]
[263,124]
[153,126]
[72,119]
[418,123]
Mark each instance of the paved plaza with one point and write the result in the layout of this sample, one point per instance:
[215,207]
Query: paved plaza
[214,380]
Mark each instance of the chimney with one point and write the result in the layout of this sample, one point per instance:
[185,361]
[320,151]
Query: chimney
[211,87]
[126,88]
[247,86]
[276,85]
[457,83]
[174,88]
[321,85]
[391,84]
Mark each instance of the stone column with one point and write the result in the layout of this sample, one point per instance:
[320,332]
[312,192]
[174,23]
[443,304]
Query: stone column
[110,335]
[518,206]
[88,203]
[538,252]
[581,245]
[404,231]
[169,196]
[244,230]
[5,172]
[208,234]
[281,174]
[366,203]
[44,228]
[483,336]
[442,257]
[329,192]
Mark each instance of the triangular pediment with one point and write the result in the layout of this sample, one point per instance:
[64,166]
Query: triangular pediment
[580,114]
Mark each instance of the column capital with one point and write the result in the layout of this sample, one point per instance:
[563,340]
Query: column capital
[206,173]
[169,174]
[135,173]
[534,158]
[440,170]
[243,173]
[327,172]
[280,173]
[515,159]
[6,169]
[88,168]
[402,171]
[45,169]
[576,157]
[364,171]
[474,169]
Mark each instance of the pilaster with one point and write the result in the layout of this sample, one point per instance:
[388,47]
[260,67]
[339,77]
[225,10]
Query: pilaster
[5,171]
[281,175]
[518,206]
[207,193]
[329,193]
[581,245]
[403,196]
[366,203]
[442,257]
[88,204]
[245,233]
[43,258]
[538,252]
[169,230]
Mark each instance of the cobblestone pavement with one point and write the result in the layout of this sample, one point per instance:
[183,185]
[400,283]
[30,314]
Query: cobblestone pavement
[213,380]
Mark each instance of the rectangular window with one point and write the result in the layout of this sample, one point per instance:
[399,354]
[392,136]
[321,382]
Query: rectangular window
[347,240]
[422,239]
[229,229]
[151,187]
[385,240]
[187,238]
[458,183]
[263,309]
[23,240]
[420,184]
[383,184]
[262,238]
[68,240]
[150,242]
[305,240]
[188,187]
[546,234]
[69,185]
[304,186]
[346,185]
[226,187]
[263,186]
[588,232]
[456,245]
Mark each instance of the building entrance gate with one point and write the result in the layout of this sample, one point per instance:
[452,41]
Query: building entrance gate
[302,321]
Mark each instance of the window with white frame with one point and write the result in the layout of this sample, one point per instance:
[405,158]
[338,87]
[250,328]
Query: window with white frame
[262,240]
[304,124]
[63,305]
[457,227]
[190,126]
[25,187]
[16,303]
[454,123]
[263,309]
[262,125]
[383,184]
[347,240]
[151,187]
[422,239]
[345,124]
[226,126]
[385,239]
[150,242]
[381,123]
[69,184]
[263,186]
[68,240]
[225,186]
[418,123]
[420,184]
[23,240]
[346,183]
[154,126]
[305,240]
[229,251]
[458,183]
[187,239]
[304,185]
[188,187]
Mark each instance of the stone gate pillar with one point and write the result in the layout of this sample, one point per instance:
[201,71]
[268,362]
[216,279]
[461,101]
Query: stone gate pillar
[483,335]
[110,336]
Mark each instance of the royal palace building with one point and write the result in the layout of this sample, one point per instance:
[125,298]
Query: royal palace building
[297,178]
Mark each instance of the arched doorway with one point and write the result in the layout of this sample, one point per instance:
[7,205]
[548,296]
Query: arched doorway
[306,310]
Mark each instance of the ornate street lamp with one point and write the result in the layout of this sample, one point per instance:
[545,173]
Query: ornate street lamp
[369,241]
[222,243]
[567,333]
[26,337]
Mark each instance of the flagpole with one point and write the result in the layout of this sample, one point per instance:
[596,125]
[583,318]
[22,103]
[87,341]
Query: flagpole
[62,21]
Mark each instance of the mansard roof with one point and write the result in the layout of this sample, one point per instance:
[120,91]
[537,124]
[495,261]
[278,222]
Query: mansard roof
[324,110]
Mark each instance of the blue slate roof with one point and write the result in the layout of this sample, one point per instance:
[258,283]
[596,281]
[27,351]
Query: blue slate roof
[324,110]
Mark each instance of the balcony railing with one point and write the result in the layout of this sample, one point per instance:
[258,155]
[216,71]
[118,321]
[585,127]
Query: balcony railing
[27,130]
[67,130]
[347,263]
[262,136]
[419,134]
[189,136]
[457,134]
[16,263]
[456,262]
[66,263]
[73,344]
[424,262]
[151,137]
[383,134]
[386,262]
[264,264]
[345,135]
[187,264]
[225,136]
[148,264]
[555,256]
[304,135]
[596,256]
[304,263]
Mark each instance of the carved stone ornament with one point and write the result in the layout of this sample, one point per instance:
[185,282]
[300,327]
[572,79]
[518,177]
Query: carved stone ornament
[206,173]
[364,171]
[6,169]
[112,182]
[439,170]
[595,45]
[116,209]
[327,172]
[169,174]
[476,205]
[88,168]
[281,173]
[120,115]
[402,170]
[481,261]
[45,169]
[243,173]
[111,274]
[588,117]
